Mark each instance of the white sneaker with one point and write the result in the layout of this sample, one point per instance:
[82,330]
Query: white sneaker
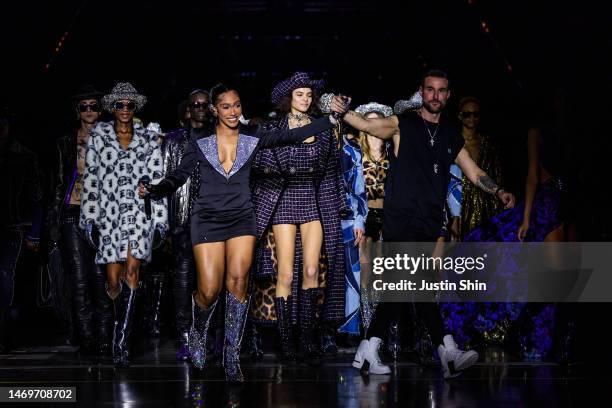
[455,361]
[368,352]
[360,354]
[376,366]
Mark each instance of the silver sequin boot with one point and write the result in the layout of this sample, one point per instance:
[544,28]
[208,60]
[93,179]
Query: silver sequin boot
[199,332]
[235,318]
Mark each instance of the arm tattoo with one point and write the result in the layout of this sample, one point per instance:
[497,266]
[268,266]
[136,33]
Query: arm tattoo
[487,184]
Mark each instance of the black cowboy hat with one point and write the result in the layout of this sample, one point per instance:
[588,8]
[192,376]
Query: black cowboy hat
[87,91]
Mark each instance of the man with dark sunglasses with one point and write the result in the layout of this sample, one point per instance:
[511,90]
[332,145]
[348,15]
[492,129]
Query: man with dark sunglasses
[173,147]
[199,113]
[84,279]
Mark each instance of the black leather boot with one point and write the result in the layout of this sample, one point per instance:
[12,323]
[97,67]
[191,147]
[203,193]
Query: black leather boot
[82,308]
[309,350]
[104,313]
[182,288]
[155,307]
[126,307]
[285,328]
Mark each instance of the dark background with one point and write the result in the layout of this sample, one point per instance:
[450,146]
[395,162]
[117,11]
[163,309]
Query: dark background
[372,50]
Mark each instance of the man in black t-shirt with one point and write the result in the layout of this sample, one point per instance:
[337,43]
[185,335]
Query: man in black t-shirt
[424,146]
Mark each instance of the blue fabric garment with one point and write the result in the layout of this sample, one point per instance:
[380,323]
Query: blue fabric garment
[352,169]
[453,195]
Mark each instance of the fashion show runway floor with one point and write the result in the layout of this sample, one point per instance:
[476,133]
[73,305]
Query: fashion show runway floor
[156,379]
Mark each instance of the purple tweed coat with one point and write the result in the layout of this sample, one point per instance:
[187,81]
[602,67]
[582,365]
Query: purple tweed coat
[271,168]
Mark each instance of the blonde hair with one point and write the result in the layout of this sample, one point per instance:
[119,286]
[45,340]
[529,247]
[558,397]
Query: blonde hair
[366,150]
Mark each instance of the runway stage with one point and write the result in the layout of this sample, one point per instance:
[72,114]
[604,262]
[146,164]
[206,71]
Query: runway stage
[156,379]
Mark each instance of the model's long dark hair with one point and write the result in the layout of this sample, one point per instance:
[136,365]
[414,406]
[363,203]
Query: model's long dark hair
[284,106]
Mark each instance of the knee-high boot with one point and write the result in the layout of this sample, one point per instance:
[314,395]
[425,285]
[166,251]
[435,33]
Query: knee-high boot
[199,332]
[235,319]
[308,347]
[124,321]
[155,307]
[103,311]
[182,288]
[285,328]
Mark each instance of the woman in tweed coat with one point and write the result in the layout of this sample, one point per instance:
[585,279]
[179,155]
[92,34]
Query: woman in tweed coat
[298,195]
[118,155]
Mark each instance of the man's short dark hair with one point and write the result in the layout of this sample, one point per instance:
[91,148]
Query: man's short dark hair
[437,73]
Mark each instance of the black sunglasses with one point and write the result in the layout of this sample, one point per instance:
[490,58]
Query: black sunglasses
[467,114]
[131,106]
[84,107]
[198,105]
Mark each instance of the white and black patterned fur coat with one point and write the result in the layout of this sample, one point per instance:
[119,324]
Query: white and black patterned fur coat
[110,197]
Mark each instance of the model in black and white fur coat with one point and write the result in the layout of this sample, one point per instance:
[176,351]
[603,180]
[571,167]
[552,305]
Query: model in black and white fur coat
[110,201]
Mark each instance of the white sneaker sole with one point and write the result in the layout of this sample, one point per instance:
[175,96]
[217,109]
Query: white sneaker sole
[380,371]
[448,367]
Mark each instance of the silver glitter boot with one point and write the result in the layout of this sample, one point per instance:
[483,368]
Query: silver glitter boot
[199,332]
[235,318]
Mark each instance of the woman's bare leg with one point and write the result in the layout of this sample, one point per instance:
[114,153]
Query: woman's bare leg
[556,235]
[284,237]
[210,265]
[312,241]
[113,273]
[239,256]
[556,255]
[132,270]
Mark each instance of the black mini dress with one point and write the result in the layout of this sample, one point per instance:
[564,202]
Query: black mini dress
[223,208]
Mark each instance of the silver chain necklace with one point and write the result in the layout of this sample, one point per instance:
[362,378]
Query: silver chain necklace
[431,137]
[432,140]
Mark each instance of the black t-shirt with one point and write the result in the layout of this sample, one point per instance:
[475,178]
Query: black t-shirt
[418,178]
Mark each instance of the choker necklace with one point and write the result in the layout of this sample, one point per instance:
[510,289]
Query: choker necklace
[300,118]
